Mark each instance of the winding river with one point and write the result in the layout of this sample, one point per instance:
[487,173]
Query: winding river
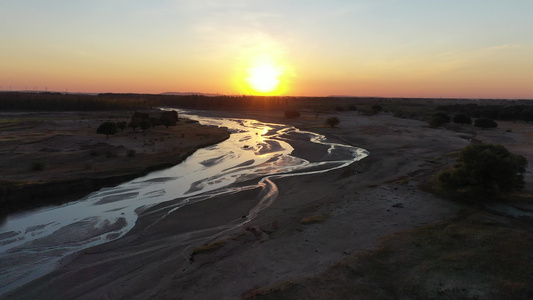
[36,242]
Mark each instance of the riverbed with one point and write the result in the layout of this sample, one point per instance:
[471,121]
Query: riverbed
[34,243]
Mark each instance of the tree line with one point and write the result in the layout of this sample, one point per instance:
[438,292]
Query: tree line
[69,102]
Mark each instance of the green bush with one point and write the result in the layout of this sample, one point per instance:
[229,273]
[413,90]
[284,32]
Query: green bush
[438,120]
[462,119]
[484,170]
[485,123]
[332,122]
[107,128]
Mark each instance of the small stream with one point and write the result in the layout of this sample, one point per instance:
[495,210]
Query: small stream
[34,243]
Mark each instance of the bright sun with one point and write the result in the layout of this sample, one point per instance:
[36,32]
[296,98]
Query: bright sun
[264,77]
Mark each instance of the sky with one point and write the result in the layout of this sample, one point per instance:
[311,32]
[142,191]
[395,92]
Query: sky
[380,48]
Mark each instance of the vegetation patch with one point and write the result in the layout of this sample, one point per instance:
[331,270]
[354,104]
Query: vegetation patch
[482,171]
[475,256]
[314,219]
[208,248]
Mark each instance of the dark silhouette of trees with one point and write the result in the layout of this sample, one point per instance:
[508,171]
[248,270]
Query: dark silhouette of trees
[438,120]
[169,118]
[332,122]
[462,119]
[377,108]
[485,167]
[122,125]
[489,113]
[527,115]
[485,123]
[48,101]
[107,128]
[137,118]
[140,115]
[144,124]
[155,122]
[134,123]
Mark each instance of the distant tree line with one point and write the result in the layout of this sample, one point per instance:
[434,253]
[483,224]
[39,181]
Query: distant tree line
[139,120]
[493,112]
[70,102]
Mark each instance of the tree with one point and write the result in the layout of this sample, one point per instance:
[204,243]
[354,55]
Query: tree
[527,115]
[145,124]
[438,120]
[462,119]
[169,118]
[489,113]
[107,128]
[485,123]
[122,125]
[377,108]
[486,167]
[134,123]
[155,122]
[332,122]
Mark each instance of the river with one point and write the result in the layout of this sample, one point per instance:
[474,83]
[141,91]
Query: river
[34,243]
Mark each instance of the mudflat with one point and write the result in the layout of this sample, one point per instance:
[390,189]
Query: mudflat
[317,221]
[57,156]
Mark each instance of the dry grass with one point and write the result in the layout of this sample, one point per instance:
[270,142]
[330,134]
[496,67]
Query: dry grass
[476,256]
[314,219]
[208,248]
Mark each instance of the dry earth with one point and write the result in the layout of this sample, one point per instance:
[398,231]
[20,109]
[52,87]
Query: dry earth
[316,221]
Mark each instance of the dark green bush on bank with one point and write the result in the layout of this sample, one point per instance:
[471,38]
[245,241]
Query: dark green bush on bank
[484,170]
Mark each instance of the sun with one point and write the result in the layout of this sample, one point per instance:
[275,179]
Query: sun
[264,76]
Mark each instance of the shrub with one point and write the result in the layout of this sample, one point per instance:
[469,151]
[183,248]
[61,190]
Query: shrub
[489,113]
[122,125]
[462,119]
[292,114]
[377,108]
[352,108]
[169,118]
[485,123]
[107,128]
[438,120]
[134,123]
[527,115]
[131,153]
[332,122]
[485,167]
[145,124]
[339,108]
[155,122]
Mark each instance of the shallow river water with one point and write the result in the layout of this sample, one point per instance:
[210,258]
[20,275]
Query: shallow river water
[34,243]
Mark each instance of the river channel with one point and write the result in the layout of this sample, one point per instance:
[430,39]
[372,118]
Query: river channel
[34,243]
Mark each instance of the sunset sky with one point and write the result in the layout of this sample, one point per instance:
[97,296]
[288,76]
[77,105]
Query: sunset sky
[388,48]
